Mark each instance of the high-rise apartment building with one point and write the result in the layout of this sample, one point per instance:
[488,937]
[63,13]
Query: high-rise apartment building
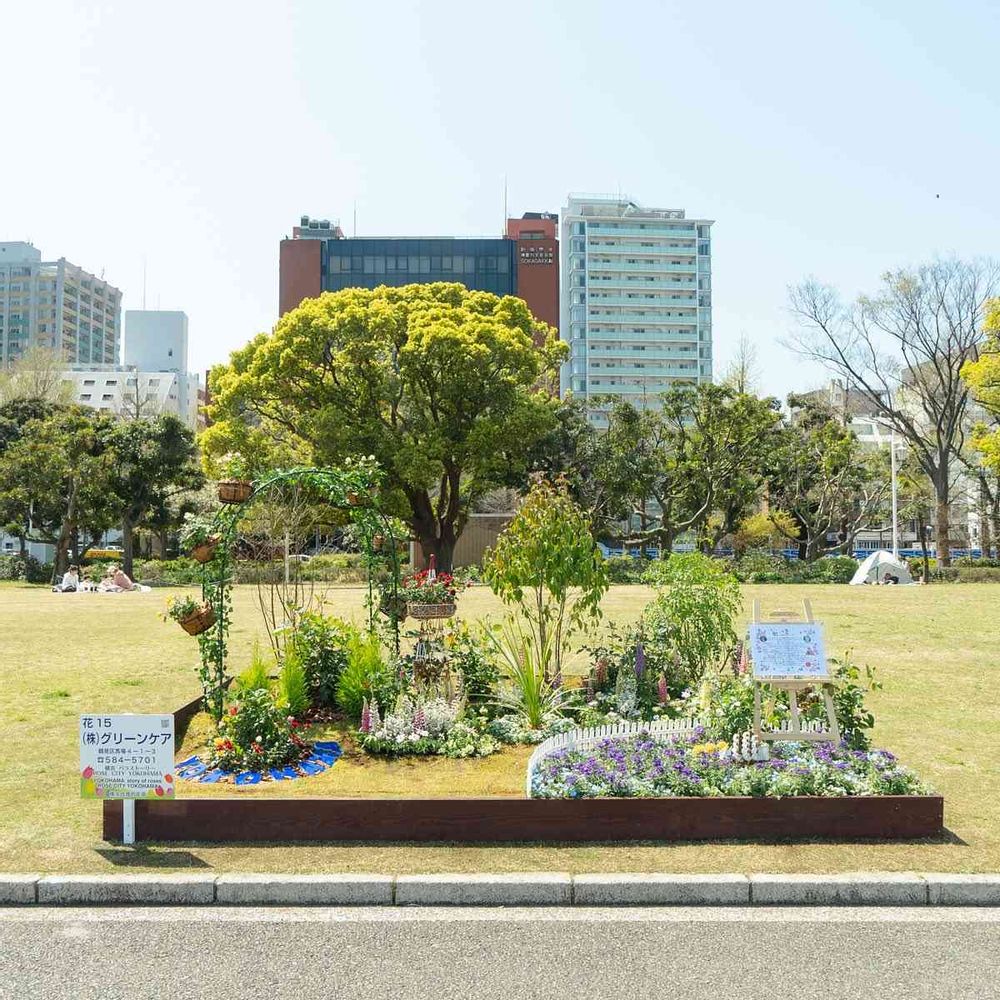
[319,258]
[56,305]
[636,299]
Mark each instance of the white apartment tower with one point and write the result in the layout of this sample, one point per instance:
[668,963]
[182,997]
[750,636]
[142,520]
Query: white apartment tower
[58,306]
[635,299]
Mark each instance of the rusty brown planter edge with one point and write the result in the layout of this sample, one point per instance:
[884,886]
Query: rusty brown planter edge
[494,820]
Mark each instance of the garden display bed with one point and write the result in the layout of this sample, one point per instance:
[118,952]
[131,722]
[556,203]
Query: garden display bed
[885,817]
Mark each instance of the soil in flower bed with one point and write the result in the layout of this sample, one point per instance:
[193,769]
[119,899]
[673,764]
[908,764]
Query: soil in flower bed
[646,766]
[358,774]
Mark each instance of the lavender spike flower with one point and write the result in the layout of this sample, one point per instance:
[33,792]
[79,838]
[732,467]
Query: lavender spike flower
[366,717]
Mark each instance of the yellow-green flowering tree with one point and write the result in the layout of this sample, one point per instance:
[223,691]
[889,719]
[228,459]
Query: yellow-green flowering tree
[444,387]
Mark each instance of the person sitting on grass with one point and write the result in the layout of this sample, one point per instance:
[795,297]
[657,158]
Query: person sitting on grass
[122,580]
[115,581]
[70,583]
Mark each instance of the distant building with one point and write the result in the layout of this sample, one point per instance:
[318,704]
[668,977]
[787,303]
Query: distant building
[319,258]
[128,392]
[537,253]
[156,340]
[58,306]
[636,299]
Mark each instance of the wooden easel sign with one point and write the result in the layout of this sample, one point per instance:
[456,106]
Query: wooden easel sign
[791,655]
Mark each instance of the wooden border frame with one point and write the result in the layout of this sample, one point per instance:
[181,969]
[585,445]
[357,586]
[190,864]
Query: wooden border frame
[492,820]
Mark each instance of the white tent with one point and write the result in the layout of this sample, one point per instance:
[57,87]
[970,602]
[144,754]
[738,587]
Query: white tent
[874,568]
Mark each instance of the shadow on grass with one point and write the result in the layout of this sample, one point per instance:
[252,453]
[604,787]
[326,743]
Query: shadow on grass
[145,856]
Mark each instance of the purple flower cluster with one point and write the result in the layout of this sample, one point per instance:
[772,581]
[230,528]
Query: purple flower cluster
[648,766]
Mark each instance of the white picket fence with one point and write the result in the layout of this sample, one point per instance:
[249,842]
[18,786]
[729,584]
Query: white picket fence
[581,739]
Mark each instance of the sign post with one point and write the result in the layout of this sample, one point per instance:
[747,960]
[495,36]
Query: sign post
[127,757]
[791,655]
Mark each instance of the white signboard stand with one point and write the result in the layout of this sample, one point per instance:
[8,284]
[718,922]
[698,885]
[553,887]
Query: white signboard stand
[791,655]
[127,757]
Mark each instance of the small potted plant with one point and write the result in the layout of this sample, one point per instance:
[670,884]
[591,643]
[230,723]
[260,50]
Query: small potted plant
[429,594]
[198,537]
[193,616]
[237,485]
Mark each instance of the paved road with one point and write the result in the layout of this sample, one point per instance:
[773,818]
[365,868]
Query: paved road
[410,954]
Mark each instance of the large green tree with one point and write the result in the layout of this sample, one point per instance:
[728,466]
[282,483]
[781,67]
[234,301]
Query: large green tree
[702,461]
[442,385]
[55,477]
[821,475]
[152,460]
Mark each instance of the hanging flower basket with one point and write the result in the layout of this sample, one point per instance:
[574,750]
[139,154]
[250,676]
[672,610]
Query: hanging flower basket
[204,551]
[234,490]
[423,612]
[200,621]
[377,542]
[355,499]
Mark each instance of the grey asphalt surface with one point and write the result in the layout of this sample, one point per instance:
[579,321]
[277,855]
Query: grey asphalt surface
[716,954]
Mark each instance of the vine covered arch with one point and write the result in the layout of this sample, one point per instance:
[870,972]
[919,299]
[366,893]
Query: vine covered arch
[353,489]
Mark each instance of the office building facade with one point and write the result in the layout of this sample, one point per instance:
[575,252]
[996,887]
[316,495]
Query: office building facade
[636,300]
[126,391]
[58,306]
[319,258]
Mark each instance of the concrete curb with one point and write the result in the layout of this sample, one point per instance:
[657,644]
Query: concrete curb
[304,890]
[661,890]
[525,889]
[528,889]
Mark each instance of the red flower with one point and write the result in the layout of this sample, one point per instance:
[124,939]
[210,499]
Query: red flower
[294,724]
[233,710]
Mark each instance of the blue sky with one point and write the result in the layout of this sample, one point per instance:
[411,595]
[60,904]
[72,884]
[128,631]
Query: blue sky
[193,135]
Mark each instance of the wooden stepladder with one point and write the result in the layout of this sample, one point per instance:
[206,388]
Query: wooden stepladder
[792,665]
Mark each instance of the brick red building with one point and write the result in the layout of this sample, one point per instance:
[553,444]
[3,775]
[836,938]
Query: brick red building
[537,258]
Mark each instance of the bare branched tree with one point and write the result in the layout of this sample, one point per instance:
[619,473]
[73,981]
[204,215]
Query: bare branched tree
[743,371]
[903,350]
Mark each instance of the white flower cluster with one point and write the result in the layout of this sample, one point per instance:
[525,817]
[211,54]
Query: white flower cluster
[416,720]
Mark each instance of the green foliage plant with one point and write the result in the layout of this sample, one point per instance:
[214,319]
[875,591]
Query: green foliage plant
[293,688]
[255,677]
[321,645]
[694,612]
[531,693]
[366,676]
[546,563]
[254,734]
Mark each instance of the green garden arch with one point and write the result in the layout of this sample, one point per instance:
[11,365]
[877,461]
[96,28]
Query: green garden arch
[354,489]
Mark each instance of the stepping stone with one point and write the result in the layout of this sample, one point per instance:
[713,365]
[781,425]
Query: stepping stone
[328,745]
[277,774]
[248,778]
[312,766]
[211,777]
[290,773]
[185,763]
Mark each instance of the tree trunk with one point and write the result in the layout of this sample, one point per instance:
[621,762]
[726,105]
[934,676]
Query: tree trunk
[922,529]
[943,533]
[128,539]
[985,543]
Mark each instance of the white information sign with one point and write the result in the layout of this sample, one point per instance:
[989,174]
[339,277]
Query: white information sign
[126,756]
[788,651]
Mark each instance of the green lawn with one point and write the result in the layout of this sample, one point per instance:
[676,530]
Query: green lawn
[61,655]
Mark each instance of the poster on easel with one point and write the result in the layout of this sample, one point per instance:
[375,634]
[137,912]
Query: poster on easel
[788,651]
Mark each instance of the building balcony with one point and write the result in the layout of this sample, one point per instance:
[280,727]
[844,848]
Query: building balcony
[622,336]
[628,357]
[637,249]
[651,230]
[605,388]
[658,301]
[641,286]
[649,371]
[622,265]
[637,320]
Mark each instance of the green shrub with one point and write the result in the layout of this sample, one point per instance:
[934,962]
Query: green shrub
[27,568]
[321,645]
[255,677]
[365,675]
[292,688]
[830,569]
[474,660]
[180,572]
[759,566]
[626,569]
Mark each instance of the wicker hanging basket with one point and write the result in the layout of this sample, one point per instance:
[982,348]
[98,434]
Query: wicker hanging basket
[204,551]
[199,621]
[423,612]
[234,490]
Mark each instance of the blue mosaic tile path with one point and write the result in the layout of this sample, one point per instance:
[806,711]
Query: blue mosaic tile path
[325,754]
